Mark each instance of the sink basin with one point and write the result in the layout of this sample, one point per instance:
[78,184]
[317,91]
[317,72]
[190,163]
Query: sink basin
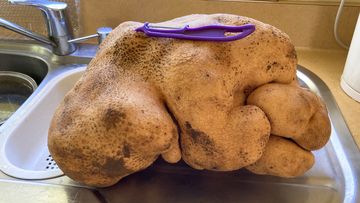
[39,62]
[36,68]
[15,95]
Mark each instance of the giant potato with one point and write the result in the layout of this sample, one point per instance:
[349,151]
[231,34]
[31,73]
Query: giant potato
[142,97]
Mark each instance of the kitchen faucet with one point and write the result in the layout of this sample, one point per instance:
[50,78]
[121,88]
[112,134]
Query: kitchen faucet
[59,36]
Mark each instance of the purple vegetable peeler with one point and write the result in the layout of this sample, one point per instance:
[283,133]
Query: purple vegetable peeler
[204,33]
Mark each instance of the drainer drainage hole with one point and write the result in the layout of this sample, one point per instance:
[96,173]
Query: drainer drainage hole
[51,164]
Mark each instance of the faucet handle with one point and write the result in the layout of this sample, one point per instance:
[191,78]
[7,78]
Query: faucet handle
[44,4]
[101,34]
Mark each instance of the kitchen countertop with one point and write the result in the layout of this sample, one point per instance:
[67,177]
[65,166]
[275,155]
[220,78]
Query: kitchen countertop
[329,65]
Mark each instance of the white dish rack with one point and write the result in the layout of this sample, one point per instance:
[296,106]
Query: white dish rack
[23,151]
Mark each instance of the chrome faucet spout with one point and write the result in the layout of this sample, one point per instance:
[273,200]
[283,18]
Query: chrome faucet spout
[56,23]
[23,31]
[59,35]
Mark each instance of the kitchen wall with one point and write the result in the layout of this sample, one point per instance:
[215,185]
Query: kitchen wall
[307,25]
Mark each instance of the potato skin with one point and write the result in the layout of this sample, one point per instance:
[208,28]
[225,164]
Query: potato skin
[283,158]
[294,112]
[218,151]
[139,94]
[97,137]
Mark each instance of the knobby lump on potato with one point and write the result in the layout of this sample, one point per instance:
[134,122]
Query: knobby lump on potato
[294,112]
[205,102]
[282,157]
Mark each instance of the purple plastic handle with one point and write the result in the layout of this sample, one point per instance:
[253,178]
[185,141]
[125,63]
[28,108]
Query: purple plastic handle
[204,33]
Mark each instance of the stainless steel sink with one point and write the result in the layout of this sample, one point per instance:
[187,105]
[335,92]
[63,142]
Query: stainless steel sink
[38,61]
[334,178]
[33,67]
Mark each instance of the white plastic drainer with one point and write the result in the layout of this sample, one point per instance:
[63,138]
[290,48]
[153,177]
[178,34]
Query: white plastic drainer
[23,138]
[51,164]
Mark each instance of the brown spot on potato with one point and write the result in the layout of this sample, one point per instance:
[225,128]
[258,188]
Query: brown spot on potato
[77,154]
[200,138]
[268,67]
[126,150]
[112,117]
[291,54]
[115,167]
